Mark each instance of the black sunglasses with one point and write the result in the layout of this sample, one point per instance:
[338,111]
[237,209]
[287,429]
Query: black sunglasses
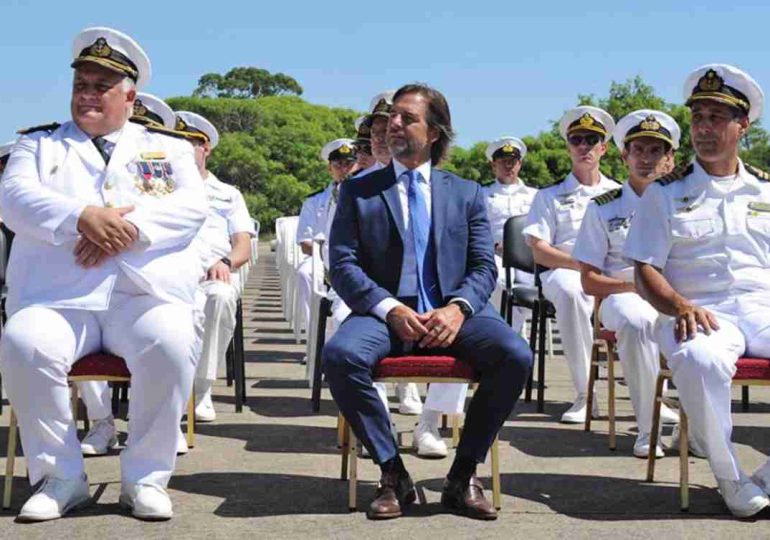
[592,139]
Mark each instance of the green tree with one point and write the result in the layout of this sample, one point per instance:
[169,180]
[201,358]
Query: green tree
[246,82]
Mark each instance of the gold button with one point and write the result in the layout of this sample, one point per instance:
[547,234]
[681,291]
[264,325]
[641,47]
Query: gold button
[109,205]
[108,185]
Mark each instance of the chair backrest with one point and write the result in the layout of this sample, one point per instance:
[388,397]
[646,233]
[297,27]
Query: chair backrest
[516,253]
[6,240]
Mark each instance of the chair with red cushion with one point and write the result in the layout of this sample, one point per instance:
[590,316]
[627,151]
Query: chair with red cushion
[603,339]
[93,367]
[413,369]
[748,372]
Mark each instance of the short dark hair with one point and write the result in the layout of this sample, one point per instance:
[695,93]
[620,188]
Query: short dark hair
[438,117]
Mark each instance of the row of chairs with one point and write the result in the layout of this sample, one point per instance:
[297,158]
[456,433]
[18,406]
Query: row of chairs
[288,256]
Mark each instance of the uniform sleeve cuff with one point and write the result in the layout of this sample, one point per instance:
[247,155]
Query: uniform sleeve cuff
[382,309]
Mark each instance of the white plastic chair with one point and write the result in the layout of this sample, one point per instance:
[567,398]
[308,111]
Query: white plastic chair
[318,292]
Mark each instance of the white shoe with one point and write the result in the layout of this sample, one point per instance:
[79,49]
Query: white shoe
[54,498]
[428,441]
[146,501]
[409,399]
[577,413]
[693,446]
[743,497]
[668,416]
[642,447]
[101,437]
[204,407]
[761,477]
[181,444]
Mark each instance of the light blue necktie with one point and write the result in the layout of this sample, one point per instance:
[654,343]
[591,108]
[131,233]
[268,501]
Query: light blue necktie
[428,293]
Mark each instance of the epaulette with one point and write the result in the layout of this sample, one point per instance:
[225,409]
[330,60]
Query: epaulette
[676,174]
[316,192]
[50,128]
[761,175]
[487,183]
[604,198]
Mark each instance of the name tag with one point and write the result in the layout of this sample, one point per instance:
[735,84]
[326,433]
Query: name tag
[759,206]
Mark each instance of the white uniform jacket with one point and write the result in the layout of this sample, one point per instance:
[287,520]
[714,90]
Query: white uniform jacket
[227,216]
[558,210]
[604,230]
[312,216]
[505,201]
[51,178]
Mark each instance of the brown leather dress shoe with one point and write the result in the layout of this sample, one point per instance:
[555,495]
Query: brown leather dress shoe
[394,492]
[467,499]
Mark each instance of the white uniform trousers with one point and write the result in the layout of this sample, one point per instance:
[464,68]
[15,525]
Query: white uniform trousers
[220,301]
[159,342]
[304,289]
[573,317]
[633,321]
[96,397]
[519,314]
[703,369]
[448,398]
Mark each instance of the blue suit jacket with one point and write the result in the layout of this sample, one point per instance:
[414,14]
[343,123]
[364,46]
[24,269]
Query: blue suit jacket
[366,247]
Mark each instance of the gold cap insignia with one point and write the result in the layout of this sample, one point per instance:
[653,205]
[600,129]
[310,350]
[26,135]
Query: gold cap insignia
[100,48]
[586,120]
[508,148]
[650,124]
[382,106]
[180,125]
[139,108]
[344,149]
[710,82]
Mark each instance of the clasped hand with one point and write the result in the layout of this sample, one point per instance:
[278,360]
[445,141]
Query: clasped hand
[105,233]
[434,329]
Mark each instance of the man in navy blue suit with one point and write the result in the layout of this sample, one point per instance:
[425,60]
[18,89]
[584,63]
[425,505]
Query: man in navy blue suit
[411,253]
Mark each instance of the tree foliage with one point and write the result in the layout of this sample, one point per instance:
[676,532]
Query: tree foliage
[246,82]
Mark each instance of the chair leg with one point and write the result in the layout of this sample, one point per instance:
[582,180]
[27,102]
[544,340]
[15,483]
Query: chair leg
[115,399]
[610,395]
[229,361]
[592,369]
[241,351]
[496,473]
[655,433]
[532,348]
[353,468]
[745,398]
[191,421]
[74,403]
[549,338]
[455,430]
[684,464]
[10,460]
[320,335]
[541,362]
[345,449]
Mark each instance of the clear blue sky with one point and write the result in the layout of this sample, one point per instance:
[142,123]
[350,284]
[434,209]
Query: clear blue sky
[507,68]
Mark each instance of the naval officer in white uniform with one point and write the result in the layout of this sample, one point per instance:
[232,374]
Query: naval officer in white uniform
[647,140]
[705,266]
[104,212]
[225,244]
[507,196]
[552,226]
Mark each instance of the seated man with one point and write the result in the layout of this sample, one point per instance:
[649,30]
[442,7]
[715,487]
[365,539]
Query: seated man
[104,212]
[647,140]
[340,156]
[150,111]
[704,267]
[552,226]
[507,196]
[411,254]
[225,244]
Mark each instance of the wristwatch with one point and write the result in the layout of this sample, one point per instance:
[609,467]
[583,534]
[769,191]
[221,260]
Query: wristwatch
[228,262]
[465,309]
